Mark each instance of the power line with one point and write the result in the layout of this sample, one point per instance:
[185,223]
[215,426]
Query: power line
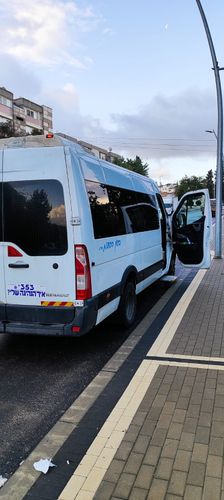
[104,137]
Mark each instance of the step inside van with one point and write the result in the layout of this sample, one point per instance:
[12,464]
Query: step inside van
[80,237]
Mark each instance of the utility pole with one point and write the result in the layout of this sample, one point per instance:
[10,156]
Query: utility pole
[217,69]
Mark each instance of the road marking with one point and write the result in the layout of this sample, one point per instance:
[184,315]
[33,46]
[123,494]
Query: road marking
[209,359]
[167,333]
[89,474]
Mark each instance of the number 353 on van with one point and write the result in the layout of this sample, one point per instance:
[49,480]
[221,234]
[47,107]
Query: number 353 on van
[60,277]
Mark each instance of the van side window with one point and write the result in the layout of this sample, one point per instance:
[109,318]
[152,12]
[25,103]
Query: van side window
[107,217]
[34,216]
[143,215]
[116,211]
[148,211]
[190,211]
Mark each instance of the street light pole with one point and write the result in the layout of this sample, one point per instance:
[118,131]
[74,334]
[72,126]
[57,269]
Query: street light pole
[216,68]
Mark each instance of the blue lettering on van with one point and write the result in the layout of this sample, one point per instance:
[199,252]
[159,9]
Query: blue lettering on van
[109,244]
[25,290]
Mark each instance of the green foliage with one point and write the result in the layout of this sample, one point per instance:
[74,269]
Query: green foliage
[36,131]
[6,130]
[209,183]
[189,184]
[135,165]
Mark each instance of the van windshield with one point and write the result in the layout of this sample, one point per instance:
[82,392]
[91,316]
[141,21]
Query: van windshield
[34,216]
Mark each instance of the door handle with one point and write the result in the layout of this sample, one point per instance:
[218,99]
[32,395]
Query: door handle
[19,266]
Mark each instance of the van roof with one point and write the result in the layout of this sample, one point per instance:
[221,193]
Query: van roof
[38,141]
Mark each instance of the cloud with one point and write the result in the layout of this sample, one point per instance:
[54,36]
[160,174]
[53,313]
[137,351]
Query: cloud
[57,215]
[65,99]
[45,32]
[168,133]
[19,80]
[169,126]
[108,31]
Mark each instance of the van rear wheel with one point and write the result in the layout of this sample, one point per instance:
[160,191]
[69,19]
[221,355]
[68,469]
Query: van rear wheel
[127,307]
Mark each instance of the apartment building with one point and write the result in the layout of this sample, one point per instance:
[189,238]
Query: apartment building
[6,105]
[23,114]
[167,189]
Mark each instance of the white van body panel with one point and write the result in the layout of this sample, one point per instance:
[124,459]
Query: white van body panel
[2,255]
[40,282]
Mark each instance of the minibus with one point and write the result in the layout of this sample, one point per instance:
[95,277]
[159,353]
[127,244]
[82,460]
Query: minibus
[80,237]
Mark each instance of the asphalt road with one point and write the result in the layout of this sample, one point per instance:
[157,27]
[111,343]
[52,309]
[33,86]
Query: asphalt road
[40,377]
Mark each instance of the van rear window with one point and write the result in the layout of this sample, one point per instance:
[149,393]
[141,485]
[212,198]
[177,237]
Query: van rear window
[34,216]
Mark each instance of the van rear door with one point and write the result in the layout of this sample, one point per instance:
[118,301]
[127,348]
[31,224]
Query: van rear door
[192,229]
[38,246]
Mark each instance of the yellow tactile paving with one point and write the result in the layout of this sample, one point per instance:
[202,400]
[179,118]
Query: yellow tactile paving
[72,488]
[86,465]
[84,495]
[118,421]
[115,439]
[97,446]
[163,340]
[192,358]
[98,469]
[107,456]
[94,479]
[193,365]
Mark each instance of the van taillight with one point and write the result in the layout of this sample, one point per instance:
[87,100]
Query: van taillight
[13,252]
[82,271]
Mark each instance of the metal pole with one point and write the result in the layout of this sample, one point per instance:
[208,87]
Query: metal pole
[218,226]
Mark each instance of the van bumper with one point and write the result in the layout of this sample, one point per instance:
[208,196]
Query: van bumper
[48,321]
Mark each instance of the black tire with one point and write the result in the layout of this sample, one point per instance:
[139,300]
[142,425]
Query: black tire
[127,308]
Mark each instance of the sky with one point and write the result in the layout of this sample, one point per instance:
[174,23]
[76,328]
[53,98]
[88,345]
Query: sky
[132,76]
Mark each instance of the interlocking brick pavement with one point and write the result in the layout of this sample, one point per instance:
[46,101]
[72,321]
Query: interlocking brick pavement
[175,443]
[201,332]
[176,452]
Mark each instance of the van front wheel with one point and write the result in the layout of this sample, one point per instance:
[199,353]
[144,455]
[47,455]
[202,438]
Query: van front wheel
[127,307]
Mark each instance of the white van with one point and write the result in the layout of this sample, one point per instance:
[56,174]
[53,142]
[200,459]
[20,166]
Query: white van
[81,237]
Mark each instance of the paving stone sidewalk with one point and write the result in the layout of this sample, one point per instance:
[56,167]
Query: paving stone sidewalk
[174,445]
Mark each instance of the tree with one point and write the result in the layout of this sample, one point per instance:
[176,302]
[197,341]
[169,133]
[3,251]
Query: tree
[209,183]
[135,165]
[36,131]
[6,130]
[189,184]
